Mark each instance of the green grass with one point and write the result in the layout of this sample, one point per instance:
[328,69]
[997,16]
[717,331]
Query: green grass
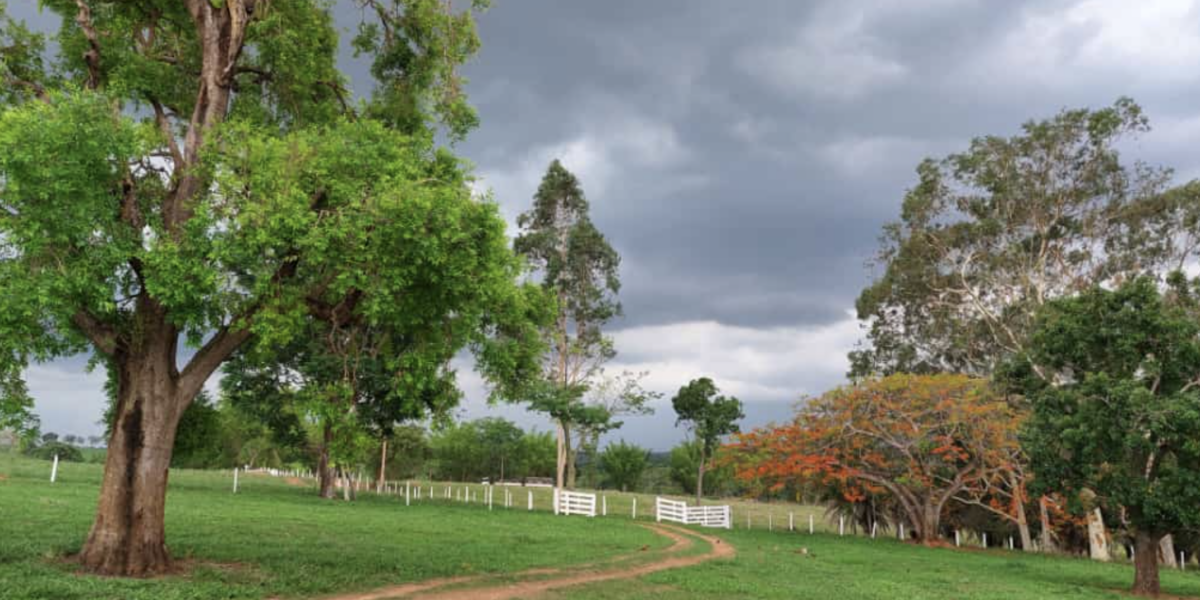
[276,539]
[768,566]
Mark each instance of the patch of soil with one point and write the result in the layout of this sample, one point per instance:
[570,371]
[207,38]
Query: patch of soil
[682,539]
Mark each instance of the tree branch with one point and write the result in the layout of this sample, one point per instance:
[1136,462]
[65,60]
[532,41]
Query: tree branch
[92,56]
[103,337]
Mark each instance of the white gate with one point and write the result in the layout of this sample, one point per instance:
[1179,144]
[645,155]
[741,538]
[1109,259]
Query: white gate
[680,512]
[670,510]
[576,503]
[710,516]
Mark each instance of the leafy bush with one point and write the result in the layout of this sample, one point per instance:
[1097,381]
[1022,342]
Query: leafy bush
[47,451]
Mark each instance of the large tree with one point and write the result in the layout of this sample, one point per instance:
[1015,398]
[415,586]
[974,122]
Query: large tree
[579,267]
[988,235]
[919,439]
[195,172]
[1120,414]
[710,416]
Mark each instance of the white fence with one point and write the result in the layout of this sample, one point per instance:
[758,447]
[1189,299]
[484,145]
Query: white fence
[575,503]
[680,512]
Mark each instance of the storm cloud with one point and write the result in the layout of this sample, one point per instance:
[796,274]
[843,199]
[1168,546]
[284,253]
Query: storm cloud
[743,156]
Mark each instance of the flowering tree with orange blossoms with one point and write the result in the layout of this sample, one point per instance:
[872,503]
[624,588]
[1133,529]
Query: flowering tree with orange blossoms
[922,439]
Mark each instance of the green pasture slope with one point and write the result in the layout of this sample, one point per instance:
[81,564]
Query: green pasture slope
[275,539]
[770,566]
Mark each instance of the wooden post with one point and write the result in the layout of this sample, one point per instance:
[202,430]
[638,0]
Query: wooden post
[235,475]
[957,539]
[810,523]
[985,539]
[530,492]
[604,506]
[791,521]
[635,507]
[874,528]
[54,470]
[1010,543]
[770,522]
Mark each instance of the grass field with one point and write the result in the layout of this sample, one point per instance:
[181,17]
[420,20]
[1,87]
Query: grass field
[275,539]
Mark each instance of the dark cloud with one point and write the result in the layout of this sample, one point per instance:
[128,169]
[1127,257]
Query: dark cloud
[743,156]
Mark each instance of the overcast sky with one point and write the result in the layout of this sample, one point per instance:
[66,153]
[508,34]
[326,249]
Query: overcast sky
[742,156]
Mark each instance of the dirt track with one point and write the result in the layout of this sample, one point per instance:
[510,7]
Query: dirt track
[533,582]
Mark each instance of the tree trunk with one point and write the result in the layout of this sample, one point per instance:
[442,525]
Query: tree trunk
[1097,536]
[128,537]
[324,469]
[382,467]
[700,480]
[927,524]
[560,458]
[570,456]
[1046,534]
[1166,551]
[1145,564]
[1023,524]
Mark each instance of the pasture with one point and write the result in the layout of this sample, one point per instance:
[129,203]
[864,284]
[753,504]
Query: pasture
[275,539]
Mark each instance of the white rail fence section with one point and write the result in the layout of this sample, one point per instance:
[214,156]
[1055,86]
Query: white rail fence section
[680,512]
[574,503]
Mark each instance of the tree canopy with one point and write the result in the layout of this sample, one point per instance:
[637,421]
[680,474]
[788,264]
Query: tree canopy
[1120,417]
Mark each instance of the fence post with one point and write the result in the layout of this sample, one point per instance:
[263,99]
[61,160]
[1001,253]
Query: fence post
[604,506]
[556,500]
[635,507]
[841,526]
[874,528]
[747,519]
[902,532]
[957,539]
[489,498]
[1182,565]
[770,522]
[810,524]
[530,492]
[791,521]
[985,539]
[54,470]
[1010,543]
[235,475]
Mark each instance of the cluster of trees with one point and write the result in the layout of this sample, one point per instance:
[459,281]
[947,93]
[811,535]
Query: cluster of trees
[1032,349]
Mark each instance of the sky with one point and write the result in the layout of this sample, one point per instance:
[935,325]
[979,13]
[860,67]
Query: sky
[742,158]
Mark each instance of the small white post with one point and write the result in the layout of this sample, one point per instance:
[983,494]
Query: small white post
[810,523]
[604,506]
[770,522]
[1181,563]
[407,491]
[635,508]
[235,471]
[841,525]
[1010,543]
[747,519]
[957,538]
[556,500]
[985,539]
[489,498]
[54,470]
[874,528]
[902,531]
[530,492]
[791,521]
